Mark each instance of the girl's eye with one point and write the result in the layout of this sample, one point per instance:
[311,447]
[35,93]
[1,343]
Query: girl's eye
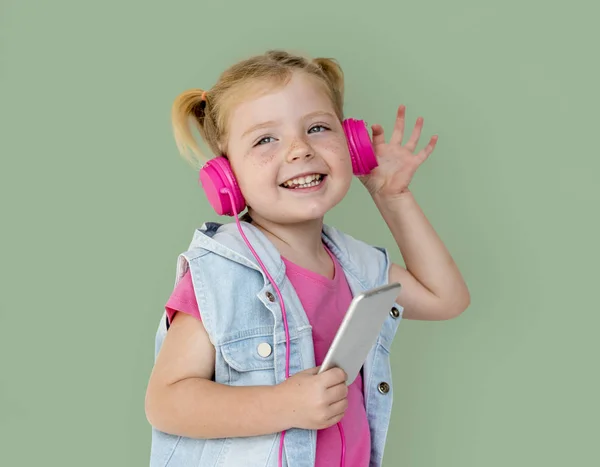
[264,140]
[319,129]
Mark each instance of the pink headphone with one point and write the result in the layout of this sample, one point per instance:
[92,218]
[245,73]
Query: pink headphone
[220,185]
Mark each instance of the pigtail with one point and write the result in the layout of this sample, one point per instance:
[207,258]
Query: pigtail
[189,107]
[334,75]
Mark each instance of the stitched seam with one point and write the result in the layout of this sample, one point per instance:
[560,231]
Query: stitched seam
[173,451]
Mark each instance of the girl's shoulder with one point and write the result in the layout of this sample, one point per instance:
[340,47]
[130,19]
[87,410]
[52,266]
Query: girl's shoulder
[368,263]
[351,245]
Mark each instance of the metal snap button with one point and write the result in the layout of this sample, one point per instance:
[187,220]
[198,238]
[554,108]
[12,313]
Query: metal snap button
[395,313]
[264,349]
[270,296]
[383,387]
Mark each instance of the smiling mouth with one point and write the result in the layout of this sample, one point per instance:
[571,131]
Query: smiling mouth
[307,181]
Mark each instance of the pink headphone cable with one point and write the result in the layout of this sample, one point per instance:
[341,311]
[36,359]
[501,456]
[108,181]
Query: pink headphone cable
[287,332]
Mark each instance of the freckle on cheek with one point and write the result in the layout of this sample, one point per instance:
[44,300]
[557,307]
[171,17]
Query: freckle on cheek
[337,149]
[265,158]
[339,145]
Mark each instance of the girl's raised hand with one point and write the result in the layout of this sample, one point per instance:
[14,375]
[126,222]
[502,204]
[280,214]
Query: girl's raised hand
[397,163]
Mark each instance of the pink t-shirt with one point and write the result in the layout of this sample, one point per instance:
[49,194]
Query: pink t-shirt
[325,302]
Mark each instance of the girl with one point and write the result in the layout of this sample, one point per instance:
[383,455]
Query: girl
[258,302]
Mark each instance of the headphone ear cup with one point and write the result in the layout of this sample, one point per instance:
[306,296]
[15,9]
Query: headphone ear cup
[360,146]
[218,182]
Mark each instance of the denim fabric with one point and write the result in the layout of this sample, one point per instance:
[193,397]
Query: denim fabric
[240,310]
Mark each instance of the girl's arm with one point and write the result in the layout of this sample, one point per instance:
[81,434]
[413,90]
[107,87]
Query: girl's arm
[433,287]
[181,399]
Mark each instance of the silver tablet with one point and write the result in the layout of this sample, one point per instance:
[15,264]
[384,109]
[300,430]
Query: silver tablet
[359,330]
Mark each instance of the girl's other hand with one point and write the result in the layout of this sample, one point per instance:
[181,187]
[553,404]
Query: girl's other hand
[314,401]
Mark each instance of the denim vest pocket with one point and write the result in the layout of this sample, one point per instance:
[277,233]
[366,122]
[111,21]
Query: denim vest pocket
[250,360]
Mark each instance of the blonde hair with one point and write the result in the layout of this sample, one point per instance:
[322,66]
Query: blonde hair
[207,110]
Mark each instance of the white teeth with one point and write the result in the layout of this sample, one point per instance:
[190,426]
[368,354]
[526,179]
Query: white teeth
[304,182]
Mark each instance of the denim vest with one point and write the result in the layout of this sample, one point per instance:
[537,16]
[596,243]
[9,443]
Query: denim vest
[240,311]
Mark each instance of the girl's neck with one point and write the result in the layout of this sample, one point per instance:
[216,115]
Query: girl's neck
[299,243]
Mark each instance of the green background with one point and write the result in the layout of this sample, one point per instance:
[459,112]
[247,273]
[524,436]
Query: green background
[96,205]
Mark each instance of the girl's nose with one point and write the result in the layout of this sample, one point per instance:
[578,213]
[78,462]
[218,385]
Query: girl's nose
[299,150]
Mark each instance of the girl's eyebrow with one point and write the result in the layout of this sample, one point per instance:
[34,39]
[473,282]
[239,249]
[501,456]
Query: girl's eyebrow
[319,113]
[258,127]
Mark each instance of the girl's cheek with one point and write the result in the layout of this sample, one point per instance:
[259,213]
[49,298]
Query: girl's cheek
[261,156]
[336,146]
